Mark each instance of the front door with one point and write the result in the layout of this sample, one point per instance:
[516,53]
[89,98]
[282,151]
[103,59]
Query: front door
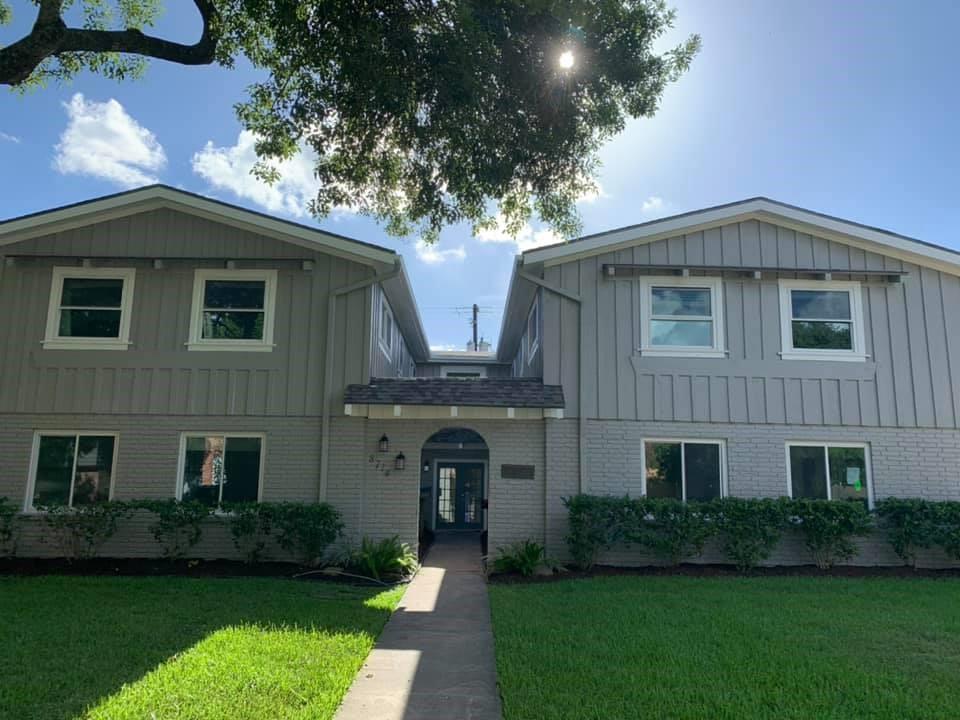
[459,495]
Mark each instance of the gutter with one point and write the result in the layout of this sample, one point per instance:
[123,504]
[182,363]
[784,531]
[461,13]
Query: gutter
[328,367]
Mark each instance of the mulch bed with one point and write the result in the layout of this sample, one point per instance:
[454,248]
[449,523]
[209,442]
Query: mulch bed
[706,570]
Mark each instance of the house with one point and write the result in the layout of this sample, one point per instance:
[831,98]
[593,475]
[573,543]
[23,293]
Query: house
[161,344]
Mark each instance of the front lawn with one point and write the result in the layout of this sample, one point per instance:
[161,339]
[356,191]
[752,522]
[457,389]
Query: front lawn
[145,648]
[679,647]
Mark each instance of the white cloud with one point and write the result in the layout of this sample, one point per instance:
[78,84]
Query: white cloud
[9,138]
[449,347]
[589,197]
[228,168]
[526,239]
[432,255]
[653,205]
[103,141]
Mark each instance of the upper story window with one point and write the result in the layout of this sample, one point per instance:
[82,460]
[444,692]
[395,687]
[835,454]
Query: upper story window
[233,310]
[681,317]
[821,320]
[70,468]
[386,327]
[533,329]
[829,471]
[684,469]
[89,309]
[219,468]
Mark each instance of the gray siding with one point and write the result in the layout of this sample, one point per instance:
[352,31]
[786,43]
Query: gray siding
[399,362]
[525,364]
[157,374]
[911,379]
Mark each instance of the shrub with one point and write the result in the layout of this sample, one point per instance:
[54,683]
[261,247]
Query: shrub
[81,531]
[828,527]
[307,530]
[749,529]
[9,528]
[673,529]
[910,524]
[387,558]
[520,557]
[178,524]
[596,524]
[948,528]
[250,525]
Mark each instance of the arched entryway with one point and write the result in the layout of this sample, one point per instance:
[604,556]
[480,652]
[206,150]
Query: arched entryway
[453,481]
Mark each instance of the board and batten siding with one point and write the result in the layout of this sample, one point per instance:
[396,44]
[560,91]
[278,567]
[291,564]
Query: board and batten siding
[399,362]
[910,379]
[157,374]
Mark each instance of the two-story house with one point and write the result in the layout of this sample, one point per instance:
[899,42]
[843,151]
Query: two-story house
[160,344]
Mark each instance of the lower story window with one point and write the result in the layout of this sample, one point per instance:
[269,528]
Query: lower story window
[218,469]
[829,471]
[72,469]
[684,470]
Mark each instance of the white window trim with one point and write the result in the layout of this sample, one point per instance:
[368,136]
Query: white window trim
[533,341]
[386,343]
[35,458]
[852,287]
[683,461]
[200,277]
[52,339]
[826,446]
[182,455]
[714,284]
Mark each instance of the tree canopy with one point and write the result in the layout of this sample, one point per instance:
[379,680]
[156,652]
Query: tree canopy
[421,113]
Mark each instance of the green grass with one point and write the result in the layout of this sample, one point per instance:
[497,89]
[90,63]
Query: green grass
[654,647]
[145,648]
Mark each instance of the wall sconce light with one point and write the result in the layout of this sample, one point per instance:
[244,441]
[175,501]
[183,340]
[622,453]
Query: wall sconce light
[426,466]
[384,443]
[400,461]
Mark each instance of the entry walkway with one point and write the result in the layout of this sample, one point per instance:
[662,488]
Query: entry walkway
[434,659]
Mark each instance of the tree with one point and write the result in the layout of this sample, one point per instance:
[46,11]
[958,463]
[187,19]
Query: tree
[420,112]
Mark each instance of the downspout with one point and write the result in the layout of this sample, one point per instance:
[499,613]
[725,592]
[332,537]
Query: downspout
[581,395]
[328,369]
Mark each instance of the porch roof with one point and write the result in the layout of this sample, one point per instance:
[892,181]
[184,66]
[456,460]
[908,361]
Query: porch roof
[483,392]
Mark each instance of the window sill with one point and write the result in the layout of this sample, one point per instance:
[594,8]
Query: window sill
[84,344]
[823,356]
[232,346]
[681,353]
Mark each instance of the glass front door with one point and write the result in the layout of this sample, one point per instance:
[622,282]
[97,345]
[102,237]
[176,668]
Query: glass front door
[459,495]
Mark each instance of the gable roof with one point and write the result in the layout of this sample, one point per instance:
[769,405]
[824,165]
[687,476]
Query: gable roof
[482,392]
[763,209]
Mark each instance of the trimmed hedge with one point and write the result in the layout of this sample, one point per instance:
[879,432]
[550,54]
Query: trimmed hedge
[750,529]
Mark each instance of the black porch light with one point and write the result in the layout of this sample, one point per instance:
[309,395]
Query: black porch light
[384,443]
[400,461]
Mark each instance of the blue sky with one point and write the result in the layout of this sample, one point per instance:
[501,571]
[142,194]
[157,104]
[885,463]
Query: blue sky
[847,108]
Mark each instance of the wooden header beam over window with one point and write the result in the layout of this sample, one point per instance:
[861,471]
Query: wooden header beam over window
[630,270]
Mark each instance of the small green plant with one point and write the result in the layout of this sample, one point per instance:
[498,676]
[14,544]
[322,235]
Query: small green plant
[672,528]
[9,528]
[307,530]
[387,558]
[749,529]
[596,524]
[81,531]
[178,525]
[829,527]
[250,525]
[520,557]
[948,528]
[910,524]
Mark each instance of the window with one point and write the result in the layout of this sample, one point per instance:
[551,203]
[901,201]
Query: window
[233,310]
[681,317]
[533,329]
[89,309]
[468,372]
[386,326]
[684,469]
[69,468]
[829,471]
[216,469]
[821,320]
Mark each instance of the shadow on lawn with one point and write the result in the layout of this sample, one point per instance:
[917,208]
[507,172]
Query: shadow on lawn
[76,641]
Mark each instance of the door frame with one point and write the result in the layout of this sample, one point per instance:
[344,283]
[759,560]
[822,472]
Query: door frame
[436,484]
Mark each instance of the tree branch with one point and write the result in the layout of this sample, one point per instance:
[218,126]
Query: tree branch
[50,37]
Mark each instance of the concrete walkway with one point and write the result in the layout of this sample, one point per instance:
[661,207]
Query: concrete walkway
[434,659]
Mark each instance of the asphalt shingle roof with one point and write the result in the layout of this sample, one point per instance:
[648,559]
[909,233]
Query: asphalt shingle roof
[483,392]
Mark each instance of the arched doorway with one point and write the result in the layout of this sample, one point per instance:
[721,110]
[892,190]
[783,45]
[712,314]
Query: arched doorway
[453,483]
